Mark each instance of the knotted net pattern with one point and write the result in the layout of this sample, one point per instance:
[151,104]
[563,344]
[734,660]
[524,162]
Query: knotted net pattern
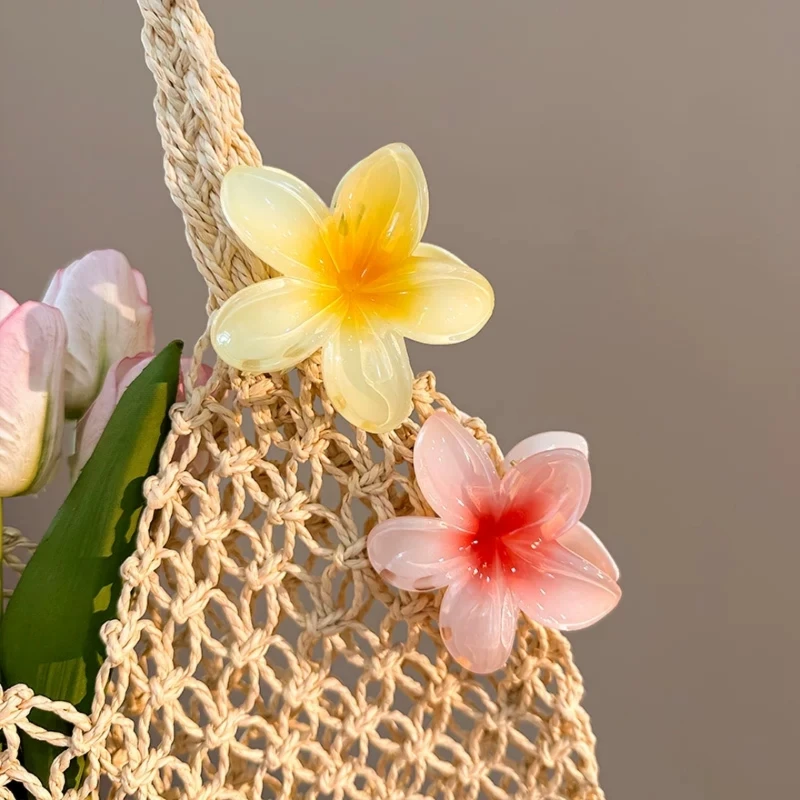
[255,652]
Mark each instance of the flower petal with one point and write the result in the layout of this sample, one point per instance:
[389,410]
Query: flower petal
[550,440]
[7,304]
[33,341]
[416,553]
[367,374]
[454,472]
[584,542]
[107,319]
[547,493]
[380,210]
[54,287]
[92,424]
[478,622]
[119,377]
[141,285]
[435,298]
[281,219]
[561,590]
[204,373]
[274,324]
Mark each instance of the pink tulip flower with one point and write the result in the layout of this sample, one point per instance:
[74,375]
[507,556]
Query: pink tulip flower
[118,378]
[104,303]
[33,339]
[501,545]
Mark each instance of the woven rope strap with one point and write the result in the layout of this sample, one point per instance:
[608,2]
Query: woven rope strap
[255,653]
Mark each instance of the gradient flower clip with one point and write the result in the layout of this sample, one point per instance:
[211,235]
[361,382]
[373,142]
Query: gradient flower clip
[356,281]
[500,546]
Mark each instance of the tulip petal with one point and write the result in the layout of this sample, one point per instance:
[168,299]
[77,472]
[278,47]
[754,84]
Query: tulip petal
[367,374]
[547,494]
[118,378]
[281,219]
[33,341]
[141,285]
[380,210]
[53,288]
[584,542]
[417,554]
[434,297]
[275,324]
[455,474]
[558,589]
[107,319]
[7,304]
[478,622]
[204,373]
[550,440]
[92,424]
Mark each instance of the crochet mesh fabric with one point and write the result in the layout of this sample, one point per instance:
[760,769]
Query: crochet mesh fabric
[255,653]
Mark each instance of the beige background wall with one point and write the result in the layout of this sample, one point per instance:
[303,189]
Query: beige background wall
[626,172]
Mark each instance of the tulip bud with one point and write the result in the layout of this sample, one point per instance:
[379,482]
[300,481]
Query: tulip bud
[118,379]
[104,303]
[33,339]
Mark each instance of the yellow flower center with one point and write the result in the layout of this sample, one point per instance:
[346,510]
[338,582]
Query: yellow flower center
[362,269]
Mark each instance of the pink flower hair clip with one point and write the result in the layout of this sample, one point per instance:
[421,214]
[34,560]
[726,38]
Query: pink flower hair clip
[500,545]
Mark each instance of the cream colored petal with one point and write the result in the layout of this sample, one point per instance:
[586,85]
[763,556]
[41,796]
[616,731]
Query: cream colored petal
[274,324]
[380,210]
[435,297]
[367,375]
[281,219]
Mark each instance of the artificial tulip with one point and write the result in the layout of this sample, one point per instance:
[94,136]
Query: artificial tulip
[104,303]
[118,378]
[33,339]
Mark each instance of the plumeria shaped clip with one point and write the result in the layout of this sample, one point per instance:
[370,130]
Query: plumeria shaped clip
[500,545]
[356,281]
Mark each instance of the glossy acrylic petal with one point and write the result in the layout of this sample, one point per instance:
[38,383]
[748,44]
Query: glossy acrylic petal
[274,324]
[107,319]
[478,623]
[279,218]
[435,298]
[583,541]
[561,590]
[7,304]
[367,375]
[547,493]
[32,354]
[550,440]
[455,474]
[380,210]
[416,553]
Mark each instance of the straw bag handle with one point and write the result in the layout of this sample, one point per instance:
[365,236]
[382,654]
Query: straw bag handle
[199,117]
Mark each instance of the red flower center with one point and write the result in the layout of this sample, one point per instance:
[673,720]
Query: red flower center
[486,547]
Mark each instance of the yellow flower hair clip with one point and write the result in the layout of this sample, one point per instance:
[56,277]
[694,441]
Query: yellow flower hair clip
[356,280]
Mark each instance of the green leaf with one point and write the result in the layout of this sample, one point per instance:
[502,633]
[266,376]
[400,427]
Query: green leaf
[49,637]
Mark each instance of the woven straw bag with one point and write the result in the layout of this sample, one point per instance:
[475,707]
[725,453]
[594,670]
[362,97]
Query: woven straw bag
[255,653]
